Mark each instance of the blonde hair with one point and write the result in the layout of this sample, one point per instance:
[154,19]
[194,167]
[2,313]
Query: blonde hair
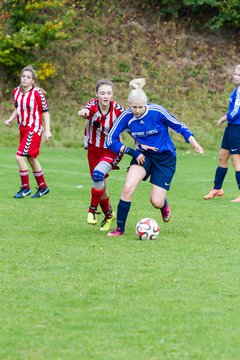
[137,94]
[34,76]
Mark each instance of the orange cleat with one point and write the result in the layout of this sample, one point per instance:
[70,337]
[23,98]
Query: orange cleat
[214,193]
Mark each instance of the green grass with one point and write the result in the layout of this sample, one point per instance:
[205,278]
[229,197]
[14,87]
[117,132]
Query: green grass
[69,292]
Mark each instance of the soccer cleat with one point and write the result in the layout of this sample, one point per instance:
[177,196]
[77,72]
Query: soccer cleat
[92,218]
[40,192]
[116,232]
[106,223]
[23,192]
[214,193]
[166,213]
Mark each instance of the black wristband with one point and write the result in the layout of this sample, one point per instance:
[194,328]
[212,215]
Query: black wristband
[131,152]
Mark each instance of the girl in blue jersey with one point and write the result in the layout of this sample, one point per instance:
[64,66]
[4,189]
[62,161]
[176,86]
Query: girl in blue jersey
[230,142]
[155,154]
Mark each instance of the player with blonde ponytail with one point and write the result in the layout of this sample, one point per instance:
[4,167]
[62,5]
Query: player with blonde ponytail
[155,154]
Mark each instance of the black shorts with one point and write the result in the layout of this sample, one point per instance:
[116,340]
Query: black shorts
[231,139]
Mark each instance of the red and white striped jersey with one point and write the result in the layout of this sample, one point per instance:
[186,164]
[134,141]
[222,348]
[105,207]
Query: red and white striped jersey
[30,106]
[98,125]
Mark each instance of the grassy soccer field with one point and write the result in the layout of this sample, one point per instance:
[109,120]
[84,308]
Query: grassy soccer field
[70,292]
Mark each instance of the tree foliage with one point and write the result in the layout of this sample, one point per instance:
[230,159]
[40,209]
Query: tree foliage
[211,14]
[28,27]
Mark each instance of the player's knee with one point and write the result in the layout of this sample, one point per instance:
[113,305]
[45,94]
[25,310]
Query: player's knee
[128,191]
[97,176]
[19,159]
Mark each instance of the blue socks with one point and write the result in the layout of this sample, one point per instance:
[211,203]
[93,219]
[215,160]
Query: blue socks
[237,176]
[122,213]
[219,177]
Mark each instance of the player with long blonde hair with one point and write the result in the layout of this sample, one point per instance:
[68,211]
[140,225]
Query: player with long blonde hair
[230,142]
[155,155]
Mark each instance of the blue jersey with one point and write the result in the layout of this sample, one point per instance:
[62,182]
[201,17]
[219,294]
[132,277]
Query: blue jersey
[150,129]
[233,114]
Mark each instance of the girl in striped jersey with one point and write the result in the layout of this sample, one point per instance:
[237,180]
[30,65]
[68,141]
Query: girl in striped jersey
[30,107]
[100,114]
[155,156]
[230,142]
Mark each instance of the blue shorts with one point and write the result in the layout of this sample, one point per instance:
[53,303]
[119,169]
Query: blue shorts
[160,167]
[231,139]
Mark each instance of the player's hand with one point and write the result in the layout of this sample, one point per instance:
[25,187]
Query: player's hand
[8,123]
[218,122]
[198,149]
[47,135]
[84,113]
[221,120]
[148,147]
[195,145]
[140,159]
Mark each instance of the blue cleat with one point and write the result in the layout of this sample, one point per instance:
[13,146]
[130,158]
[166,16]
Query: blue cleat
[23,192]
[40,192]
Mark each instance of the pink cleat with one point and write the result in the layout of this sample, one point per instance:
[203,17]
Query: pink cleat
[166,213]
[214,193]
[116,232]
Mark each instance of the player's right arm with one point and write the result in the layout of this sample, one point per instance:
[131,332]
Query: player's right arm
[11,119]
[114,140]
[221,120]
[114,143]
[84,112]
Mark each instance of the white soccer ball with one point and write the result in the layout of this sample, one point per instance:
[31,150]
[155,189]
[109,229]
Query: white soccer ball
[147,229]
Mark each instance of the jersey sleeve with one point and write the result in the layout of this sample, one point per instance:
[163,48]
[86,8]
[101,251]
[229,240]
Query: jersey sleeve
[234,111]
[118,108]
[41,101]
[14,99]
[176,125]
[90,104]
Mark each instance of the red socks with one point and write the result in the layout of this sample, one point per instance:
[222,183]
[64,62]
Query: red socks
[24,179]
[96,196]
[40,179]
[106,206]
[104,203]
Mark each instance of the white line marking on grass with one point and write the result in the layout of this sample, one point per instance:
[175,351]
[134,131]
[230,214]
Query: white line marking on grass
[79,186]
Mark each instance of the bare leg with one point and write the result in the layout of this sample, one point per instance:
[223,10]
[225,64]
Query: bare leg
[158,196]
[21,163]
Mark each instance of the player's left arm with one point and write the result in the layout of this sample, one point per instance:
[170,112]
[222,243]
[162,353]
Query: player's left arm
[182,129]
[195,145]
[43,108]
[47,133]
